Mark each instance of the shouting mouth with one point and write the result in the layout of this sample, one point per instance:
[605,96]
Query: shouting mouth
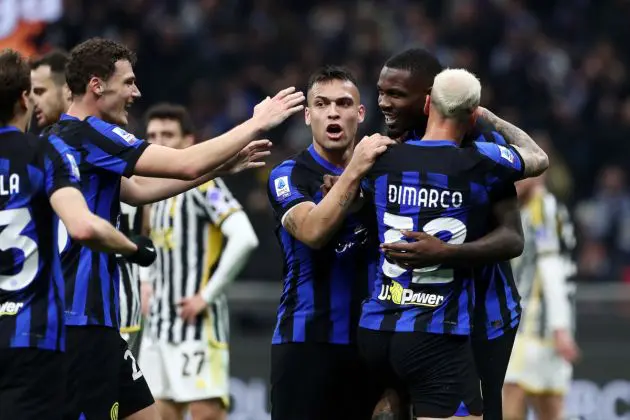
[334,131]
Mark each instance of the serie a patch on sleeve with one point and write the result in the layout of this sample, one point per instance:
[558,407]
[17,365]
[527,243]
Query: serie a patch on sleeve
[126,136]
[282,187]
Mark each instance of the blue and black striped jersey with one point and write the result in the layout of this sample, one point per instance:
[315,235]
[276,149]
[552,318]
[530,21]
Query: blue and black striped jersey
[104,153]
[31,282]
[323,288]
[446,191]
[497,306]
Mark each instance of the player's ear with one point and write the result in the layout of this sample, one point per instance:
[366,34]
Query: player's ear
[307,115]
[66,92]
[25,102]
[361,113]
[427,105]
[95,85]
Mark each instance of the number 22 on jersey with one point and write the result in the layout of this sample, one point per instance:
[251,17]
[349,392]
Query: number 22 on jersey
[427,275]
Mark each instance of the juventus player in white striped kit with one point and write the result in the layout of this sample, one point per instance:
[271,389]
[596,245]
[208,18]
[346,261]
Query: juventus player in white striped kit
[203,239]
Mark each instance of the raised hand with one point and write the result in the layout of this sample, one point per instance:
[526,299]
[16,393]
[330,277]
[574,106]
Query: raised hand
[248,158]
[366,152]
[273,111]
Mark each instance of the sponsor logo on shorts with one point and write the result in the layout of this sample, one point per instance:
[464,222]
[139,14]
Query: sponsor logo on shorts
[10,308]
[401,296]
[113,412]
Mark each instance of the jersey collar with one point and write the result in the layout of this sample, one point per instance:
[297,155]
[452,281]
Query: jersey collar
[323,162]
[67,117]
[8,128]
[432,143]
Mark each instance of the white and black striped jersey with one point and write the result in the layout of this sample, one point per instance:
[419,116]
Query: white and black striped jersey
[186,232]
[547,229]
[130,311]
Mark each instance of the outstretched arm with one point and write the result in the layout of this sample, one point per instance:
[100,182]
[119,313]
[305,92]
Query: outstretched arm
[196,161]
[139,190]
[535,159]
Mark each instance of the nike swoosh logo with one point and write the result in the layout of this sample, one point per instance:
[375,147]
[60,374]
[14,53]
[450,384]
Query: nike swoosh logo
[151,249]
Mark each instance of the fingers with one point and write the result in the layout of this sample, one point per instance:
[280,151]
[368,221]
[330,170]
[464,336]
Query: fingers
[284,93]
[294,99]
[259,155]
[397,246]
[293,110]
[414,235]
[259,144]
[254,165]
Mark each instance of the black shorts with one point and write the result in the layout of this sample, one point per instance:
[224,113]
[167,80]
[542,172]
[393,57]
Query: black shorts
[32,384]
[314,381]
[491,359]
[104,380]
[436,371]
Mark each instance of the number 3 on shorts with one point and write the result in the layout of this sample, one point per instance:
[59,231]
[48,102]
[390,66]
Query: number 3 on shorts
[136,372]
[426,275]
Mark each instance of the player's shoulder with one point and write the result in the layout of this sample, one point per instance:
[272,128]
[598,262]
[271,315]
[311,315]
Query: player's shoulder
[496,152]
[297,163]
[111,131]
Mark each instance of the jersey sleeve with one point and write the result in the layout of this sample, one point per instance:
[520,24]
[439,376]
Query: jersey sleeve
[60,167]
[217,201]
[113,149]
[508,165]
[285,188]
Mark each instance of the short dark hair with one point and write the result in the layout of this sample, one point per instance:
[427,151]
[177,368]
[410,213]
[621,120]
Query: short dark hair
[330,73]
[419,62]
[57,60]
[15,79]
[95,57]
[168,111]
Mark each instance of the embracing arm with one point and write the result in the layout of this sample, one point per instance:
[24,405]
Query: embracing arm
[534,158]
[503,243]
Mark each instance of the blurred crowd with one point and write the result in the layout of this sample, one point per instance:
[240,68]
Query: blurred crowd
[557,68]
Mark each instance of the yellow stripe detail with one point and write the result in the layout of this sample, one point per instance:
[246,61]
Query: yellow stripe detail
[131,329]
[536,209]
[541,391]
[171,210]
[226,214]
[205,187]
[213,253]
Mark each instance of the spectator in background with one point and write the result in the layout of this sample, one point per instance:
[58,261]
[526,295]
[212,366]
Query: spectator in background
[605,223]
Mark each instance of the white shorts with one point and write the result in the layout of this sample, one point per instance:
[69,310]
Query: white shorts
[537,368]
[186,372]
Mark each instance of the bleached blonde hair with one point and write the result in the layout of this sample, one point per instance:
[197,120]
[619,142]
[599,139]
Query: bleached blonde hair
[456,93]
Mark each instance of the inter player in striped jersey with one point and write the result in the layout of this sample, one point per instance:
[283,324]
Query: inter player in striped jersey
[316,371]
[403,82]
[37,180]
[104,377]
[540,368]
[203,240]
[415,327]
[51,97]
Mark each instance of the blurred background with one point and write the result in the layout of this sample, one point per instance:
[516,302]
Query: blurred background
[559,69]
